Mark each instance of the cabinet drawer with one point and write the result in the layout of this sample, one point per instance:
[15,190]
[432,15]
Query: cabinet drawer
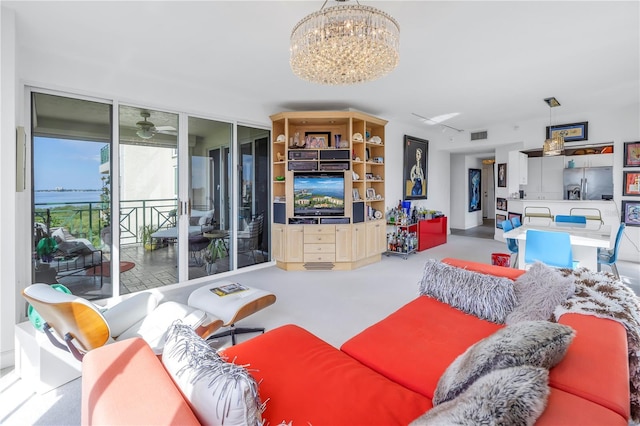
[319,248]
[319,257]
[319,229]
[320,238]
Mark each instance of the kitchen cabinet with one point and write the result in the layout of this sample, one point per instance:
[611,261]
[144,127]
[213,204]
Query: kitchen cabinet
[516,171]
[590,160]
[544,178]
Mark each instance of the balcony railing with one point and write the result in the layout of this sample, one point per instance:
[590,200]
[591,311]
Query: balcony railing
[84,219]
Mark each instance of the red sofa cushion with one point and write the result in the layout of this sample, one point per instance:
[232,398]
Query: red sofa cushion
[564,408]
[414,345]
[305,380]
[120,378]
[598,343]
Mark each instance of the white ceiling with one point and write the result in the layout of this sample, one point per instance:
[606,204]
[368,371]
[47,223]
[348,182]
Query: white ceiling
[491,62]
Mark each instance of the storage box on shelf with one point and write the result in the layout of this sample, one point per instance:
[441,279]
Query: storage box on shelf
[334,142]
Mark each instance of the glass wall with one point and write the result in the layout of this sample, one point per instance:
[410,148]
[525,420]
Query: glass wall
[148,201]
[209,143]
[253,196]
[177,197]
[70,195]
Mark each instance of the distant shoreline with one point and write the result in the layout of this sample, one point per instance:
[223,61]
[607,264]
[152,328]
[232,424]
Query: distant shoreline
[67,190]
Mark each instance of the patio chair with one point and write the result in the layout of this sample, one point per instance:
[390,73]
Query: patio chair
[249,239]
[76,325]
[609,257]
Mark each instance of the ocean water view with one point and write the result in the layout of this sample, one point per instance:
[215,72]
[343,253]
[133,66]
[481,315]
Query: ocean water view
[60,198]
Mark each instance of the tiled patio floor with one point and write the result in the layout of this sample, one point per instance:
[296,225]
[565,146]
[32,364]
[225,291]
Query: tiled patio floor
[152,269]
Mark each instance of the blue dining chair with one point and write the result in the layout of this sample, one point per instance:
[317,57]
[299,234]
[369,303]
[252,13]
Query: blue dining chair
[516,221]
[571,219]
[550,248]
[609,257]
[512,243]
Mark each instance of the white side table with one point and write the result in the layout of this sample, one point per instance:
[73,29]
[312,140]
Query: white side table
[40,363]
[232,307]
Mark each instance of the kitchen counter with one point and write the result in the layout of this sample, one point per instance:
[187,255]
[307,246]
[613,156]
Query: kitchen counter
[608,210]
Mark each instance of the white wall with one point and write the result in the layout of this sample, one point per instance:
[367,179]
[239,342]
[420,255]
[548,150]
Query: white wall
[8,213]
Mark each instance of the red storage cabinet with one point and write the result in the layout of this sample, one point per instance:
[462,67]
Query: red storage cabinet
[432,232]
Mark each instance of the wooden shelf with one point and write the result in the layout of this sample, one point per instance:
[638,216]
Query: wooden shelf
[361,239]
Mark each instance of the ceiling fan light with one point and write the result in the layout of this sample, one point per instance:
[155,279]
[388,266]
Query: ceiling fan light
[145,133]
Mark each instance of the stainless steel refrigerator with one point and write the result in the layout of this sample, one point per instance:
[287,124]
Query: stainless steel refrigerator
[588,183]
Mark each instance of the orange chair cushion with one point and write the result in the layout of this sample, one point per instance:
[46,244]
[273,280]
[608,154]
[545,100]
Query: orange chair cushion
[120,378]
[414,345]
[484,268]
[304,380]
[598,343]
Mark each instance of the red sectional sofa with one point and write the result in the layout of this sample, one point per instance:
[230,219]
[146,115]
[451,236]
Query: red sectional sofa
[385,375]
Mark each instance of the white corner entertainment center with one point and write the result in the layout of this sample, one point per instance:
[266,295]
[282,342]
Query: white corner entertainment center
[328,190]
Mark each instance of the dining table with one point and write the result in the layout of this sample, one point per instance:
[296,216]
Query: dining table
[585,239]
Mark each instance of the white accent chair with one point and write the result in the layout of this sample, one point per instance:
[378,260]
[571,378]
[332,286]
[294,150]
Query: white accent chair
[82,326]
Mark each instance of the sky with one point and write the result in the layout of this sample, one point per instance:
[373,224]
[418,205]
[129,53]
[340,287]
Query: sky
[70,164]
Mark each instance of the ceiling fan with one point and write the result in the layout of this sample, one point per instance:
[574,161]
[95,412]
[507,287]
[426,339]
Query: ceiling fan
[146,129]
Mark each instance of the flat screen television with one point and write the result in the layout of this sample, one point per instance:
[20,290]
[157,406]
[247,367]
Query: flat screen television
[318,194]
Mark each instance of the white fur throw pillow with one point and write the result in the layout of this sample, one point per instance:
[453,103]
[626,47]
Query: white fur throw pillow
[219,392]
[511,396]
[536,343]
[539,291]
[485,296]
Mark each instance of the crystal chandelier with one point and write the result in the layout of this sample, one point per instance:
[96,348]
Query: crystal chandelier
[554,145]
[345,44]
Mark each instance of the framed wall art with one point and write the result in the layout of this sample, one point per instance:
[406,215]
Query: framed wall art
[499,219]
[573,132]
[631,183]
[631,154]
[317,139]
[415,170]
[501,204]
[631,213]
[475,181]
[502,175]
[511,215]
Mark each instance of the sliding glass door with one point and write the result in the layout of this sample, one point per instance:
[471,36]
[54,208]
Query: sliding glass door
[70,194]
[251,245]
[209,227]
[127,198]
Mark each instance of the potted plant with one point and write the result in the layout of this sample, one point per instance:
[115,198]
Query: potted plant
[105,210]
[145,235]
[215,250]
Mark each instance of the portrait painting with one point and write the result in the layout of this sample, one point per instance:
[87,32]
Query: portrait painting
[502,175]
[416,162]
[475,186]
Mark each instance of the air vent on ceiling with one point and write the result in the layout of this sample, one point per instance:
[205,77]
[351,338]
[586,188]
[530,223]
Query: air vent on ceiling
[479,135]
